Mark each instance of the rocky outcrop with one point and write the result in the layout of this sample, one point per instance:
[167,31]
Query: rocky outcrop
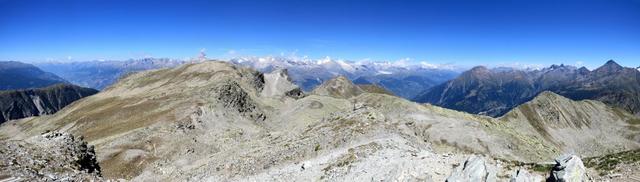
[568,168]
[51,156]
[475,168]
[26,103]
[338,87]
[278,83]
[231,95]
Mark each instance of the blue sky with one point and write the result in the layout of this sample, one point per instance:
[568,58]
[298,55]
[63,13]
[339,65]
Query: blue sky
[464,32]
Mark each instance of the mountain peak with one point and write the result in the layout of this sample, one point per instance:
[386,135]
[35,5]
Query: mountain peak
[339,87]
[547,95]
[477,72]
[611,62]
[479,69]
[583,70]
[609,67]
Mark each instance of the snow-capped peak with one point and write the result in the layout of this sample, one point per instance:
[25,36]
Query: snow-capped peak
[337,66]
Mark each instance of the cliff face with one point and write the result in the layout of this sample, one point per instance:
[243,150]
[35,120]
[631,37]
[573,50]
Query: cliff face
[35,102]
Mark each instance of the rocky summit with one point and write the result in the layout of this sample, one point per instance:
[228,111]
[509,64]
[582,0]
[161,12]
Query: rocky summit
[214,121]
[52,156]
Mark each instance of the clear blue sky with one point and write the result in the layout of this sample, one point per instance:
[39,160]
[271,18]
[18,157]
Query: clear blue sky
[467,32]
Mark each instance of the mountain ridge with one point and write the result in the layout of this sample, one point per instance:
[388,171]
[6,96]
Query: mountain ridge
[17,104]
[494,92]
[17,75]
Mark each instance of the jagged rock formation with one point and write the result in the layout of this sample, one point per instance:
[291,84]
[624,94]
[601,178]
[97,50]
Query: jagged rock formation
[211,121]
[51,156]
[494,92]
[338,87]
[16,75]
[568,168]
[475,168]
[26,103]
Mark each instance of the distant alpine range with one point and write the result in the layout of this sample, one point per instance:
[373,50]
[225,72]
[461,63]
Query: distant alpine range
[494,92]
[403,79]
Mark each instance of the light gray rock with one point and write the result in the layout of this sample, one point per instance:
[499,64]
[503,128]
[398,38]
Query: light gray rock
[278,83]
[568,168]
[475,168]
[522,175]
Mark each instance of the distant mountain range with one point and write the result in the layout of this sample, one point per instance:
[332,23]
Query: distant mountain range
[101,74]
[17,75]
[493,92]
[16,104]
[401,78]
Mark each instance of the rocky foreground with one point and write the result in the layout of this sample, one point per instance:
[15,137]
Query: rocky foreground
[52,156]
[55,156]
[214,121]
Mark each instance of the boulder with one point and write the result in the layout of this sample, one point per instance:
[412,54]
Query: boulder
[522,175]
[568,168]
[475,168]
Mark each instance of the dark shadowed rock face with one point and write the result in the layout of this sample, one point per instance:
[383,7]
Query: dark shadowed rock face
[494,92]
[16,75]
[25,103]
[51,156]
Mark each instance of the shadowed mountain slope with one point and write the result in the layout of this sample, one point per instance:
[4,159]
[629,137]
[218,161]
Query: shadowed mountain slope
[16,75]
[16,104]
[494,92]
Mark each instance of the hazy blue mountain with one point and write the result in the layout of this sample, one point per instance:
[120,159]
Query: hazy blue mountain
[16,104]
[493,92]
[17,75]
[101,74]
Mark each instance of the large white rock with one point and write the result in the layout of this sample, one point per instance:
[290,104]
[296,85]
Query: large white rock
[568,168]
[475,168]
[278,83]
[522,175]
